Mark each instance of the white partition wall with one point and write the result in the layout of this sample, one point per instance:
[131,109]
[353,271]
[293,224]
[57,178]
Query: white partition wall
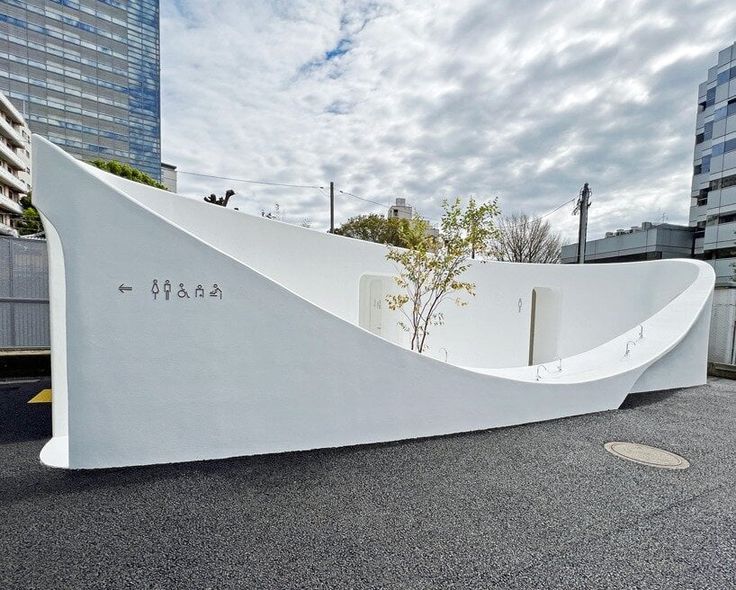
[184,331]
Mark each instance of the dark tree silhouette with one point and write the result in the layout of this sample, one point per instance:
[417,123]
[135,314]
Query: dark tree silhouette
[526,239]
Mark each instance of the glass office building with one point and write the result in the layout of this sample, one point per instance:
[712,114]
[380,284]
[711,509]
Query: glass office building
[85,74]
[713,197]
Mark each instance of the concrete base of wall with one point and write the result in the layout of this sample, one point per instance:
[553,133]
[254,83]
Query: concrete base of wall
[722,370]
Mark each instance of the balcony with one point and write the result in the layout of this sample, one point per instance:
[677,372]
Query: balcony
[7,131]
[10,110]
[6,230]
[11,180]
[7,154]
[10,205]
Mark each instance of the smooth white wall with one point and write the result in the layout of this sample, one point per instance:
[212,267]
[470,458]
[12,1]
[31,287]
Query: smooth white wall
[265,370]
[490,332]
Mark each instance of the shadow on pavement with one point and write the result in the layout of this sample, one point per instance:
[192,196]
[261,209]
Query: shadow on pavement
[647,398]
[19,420]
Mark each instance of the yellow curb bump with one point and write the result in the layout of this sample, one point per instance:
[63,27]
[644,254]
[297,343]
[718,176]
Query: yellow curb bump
[42,397]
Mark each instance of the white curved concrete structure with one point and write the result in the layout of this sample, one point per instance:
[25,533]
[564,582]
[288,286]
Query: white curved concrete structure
[264,342]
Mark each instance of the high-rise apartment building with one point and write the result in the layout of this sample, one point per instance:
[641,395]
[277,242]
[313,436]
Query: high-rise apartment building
[713,204]
[15,169]
[85,74]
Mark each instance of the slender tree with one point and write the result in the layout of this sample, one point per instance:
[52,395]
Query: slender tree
[430,269]
[526,239]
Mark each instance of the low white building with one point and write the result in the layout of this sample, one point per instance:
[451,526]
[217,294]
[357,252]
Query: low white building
[15,167]
[400,210]
[225,334]
[169,176]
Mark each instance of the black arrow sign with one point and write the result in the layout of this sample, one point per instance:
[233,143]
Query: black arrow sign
[123,288]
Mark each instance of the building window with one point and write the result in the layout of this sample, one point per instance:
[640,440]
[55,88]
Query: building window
[722,148]
[708,131]
[725,76]
[728,181]
[725,182]
[725,253]
[710,97]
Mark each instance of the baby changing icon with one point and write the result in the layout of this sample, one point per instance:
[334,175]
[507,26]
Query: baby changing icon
[216,291]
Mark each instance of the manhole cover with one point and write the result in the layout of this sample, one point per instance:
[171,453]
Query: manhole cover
[647,455]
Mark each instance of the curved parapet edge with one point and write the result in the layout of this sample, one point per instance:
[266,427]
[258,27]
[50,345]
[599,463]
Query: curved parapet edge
[56,453]
[249,367]
[624,290]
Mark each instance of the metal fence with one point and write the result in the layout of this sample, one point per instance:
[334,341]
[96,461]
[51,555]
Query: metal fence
[24,294]
[723,327]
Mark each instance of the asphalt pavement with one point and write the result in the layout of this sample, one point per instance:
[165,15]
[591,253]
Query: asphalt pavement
[535,506]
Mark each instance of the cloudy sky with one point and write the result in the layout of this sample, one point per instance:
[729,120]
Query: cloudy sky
[520,100]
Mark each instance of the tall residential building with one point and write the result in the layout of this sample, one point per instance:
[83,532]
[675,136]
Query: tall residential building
[15,169]
[713,204]
[85,74]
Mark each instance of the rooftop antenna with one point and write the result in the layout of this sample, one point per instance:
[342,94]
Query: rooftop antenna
[582,207]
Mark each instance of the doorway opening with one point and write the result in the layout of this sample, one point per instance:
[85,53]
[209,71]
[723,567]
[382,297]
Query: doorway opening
[372,303]
[544,326]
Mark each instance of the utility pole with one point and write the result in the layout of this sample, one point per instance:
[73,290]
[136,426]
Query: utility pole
[582,208]
[332,207]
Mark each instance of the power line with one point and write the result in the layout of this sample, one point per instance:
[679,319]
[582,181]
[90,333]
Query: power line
[558,207]
[363,199]
[531,217]
[436,221]
[265,182]
[321,188]
[312,186]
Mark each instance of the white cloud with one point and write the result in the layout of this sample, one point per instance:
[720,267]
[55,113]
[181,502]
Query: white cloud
[522,100]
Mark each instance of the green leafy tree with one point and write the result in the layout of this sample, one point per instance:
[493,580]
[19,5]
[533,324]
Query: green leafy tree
[375,228]
[126,171]
[30,221]
[430,269]
[478,225]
